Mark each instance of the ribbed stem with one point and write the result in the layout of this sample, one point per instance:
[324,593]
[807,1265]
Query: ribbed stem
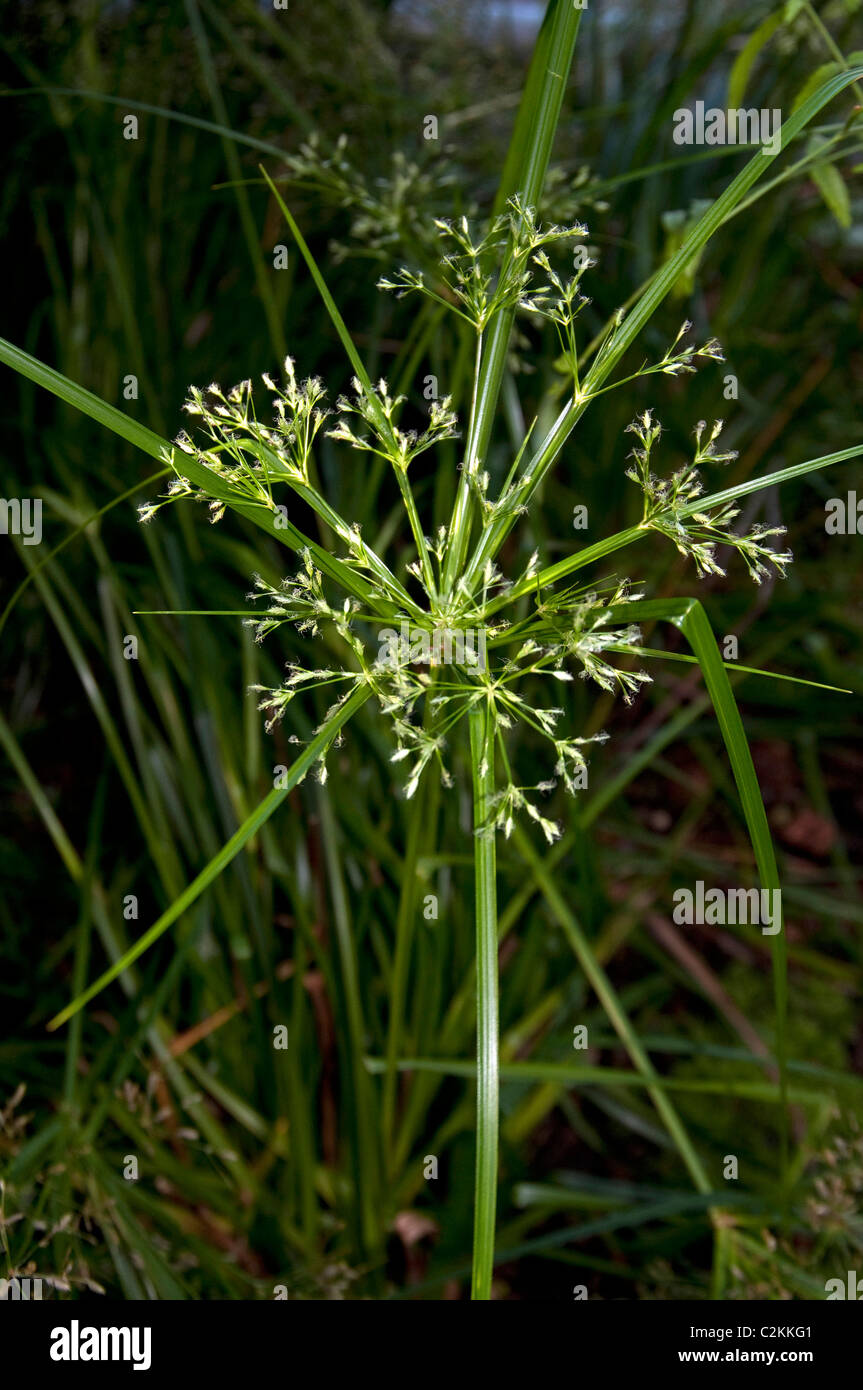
[485,1203]
[524,173]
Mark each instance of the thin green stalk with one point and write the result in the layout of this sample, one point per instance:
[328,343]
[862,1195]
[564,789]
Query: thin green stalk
[460,520]
[365,380]
[830,43]
[417,532]
[527,162]
[482,763]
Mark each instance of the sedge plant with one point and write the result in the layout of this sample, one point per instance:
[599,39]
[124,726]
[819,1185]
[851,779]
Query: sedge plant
[520,638]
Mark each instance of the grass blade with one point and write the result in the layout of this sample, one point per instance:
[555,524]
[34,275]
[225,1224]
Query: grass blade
[729,666]
[159,448]
[552,573]
[338,322]
[689,616]
[568,1074]
[127,104]
[658,288]
[229,851]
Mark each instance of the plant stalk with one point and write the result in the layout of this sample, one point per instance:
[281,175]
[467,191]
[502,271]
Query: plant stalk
[524,173]
[485,1204]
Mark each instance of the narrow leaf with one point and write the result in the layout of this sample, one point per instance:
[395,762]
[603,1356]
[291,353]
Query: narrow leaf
[229,851]
[689,616]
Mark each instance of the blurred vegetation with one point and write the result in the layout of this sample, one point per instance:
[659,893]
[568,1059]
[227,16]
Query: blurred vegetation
[153,257]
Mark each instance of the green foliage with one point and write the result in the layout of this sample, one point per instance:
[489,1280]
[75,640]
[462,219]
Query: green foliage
[390,930]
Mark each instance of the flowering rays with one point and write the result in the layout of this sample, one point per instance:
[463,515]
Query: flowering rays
[567,631]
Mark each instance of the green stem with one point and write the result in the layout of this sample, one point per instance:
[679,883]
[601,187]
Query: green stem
[830,43]
[461,516]
[524,173]
[553,573]
[482,760]
[418,533]
[390,585]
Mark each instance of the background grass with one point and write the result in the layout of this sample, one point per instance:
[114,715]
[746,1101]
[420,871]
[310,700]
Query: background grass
[258,1167]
